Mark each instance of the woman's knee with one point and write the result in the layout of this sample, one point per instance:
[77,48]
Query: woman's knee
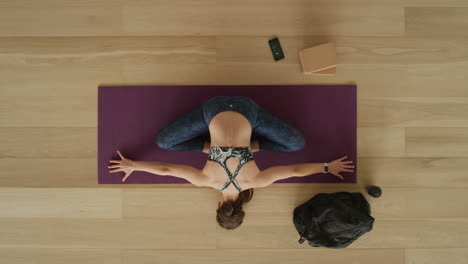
[297,143]
[164,141]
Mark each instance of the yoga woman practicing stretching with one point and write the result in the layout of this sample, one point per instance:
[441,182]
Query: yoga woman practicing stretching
[232,122]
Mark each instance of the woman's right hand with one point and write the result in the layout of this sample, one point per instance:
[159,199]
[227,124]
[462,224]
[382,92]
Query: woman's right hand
[125,165]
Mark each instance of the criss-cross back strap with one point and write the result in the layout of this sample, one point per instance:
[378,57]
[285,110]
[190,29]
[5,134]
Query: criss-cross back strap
[232,177]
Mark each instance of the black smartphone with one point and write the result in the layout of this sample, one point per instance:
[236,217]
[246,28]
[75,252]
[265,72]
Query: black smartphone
[276,49]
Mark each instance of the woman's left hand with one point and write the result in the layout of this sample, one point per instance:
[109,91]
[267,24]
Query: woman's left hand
[340,165]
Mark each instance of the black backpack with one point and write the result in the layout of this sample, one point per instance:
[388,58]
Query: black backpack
[333,220]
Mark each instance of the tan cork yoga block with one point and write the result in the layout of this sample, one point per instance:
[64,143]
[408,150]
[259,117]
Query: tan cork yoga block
[319,60]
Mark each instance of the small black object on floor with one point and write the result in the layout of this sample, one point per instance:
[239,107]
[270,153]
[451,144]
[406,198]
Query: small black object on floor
[374,191]
[276,49]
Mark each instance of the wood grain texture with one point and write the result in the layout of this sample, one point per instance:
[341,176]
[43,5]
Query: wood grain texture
[435,3]
[103,51]
[421,111]
[167,203]
[32,142]
[354,256]
[164,233]
[381,142]
[414,172]
[48,172]
[61,21]
[250,18]
[436,21]
[48,111]
[437,142]
[73,203]
[61,80]
[200,18]
[437,255]
[60,256]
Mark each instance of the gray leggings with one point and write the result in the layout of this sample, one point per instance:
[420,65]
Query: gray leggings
[188,133]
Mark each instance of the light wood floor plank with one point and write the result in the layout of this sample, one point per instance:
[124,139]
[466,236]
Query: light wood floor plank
[435,3]
[381,142]
[61,3]
[424,112]
[60,256]
[31,142]
[370,113]
[420,203]
[92,51]
[226,18]
[61,21]
[437,142]
[414,172]
[436,21]
[48,172]
[354,256]
[151,203]
[57,80]
[48,111]
[416,234]
[163,233]
[170,74]
[437,255]
[60,203]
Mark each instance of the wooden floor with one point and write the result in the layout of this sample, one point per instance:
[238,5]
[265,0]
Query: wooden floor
[409,59]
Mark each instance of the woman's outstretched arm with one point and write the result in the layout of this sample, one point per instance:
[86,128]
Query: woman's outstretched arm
[128,166]
[276,173]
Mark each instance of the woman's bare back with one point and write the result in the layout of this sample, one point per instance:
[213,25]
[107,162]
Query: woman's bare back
[230,129]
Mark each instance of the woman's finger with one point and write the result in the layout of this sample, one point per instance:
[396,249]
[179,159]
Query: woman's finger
[115,170]
[343,158]
[338,175]
[120,154]
[348,162]
[115,161]
[114,166]
[347,170]
[348,166]
[125,177]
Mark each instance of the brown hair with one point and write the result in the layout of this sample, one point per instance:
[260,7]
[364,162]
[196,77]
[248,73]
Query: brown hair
[230,215]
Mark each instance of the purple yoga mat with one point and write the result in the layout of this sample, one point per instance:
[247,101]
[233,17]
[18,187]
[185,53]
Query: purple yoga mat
[130,117]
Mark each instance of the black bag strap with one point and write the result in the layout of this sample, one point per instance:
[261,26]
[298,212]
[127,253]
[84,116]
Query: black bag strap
[301,240]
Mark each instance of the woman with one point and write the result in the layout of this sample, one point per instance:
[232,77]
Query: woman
[237,126]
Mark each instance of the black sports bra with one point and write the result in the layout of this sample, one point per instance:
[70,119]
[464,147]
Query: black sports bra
[222,154]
